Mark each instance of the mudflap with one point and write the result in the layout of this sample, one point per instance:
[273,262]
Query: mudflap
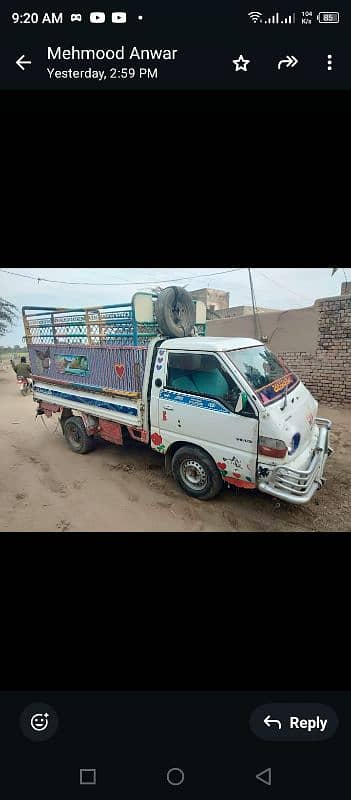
[168,462]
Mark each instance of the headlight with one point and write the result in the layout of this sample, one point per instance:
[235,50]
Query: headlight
[272,447]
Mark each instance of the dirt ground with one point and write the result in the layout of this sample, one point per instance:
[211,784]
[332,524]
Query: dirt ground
[46,487]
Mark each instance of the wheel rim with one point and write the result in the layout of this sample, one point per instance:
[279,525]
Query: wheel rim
[193,474]
[178,313]
[74,436]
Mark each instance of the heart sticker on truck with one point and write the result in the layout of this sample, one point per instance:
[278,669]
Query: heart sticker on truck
[119,370]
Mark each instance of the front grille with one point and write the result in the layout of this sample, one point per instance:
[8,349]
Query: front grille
[298,486]
[298,482]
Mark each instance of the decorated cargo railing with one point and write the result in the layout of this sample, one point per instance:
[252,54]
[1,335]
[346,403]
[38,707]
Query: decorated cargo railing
[98,348]
[112,324]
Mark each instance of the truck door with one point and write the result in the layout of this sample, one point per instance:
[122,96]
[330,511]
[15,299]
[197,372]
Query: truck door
[196,404]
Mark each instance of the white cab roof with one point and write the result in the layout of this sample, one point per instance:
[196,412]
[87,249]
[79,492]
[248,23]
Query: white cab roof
[209,343]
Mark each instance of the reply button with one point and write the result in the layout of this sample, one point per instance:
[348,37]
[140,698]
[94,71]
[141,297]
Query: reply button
[294,722]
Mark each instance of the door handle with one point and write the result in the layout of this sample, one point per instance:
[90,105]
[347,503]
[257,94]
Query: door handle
[168,408]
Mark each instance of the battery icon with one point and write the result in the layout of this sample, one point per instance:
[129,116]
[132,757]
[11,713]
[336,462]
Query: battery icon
[328,16]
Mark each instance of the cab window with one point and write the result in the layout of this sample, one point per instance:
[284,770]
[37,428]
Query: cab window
[201,374]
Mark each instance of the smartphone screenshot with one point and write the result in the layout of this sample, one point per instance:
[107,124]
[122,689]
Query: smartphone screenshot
[201,400]
[233,49]
[174,477]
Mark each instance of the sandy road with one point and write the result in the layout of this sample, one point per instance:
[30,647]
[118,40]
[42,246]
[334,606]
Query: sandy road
[46,487]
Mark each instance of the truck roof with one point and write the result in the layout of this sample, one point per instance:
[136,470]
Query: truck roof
[209,343]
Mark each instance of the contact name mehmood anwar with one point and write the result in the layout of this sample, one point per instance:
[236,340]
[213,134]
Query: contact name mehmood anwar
[78,54]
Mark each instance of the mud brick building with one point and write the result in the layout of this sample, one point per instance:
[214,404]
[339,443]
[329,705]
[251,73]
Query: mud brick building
[217,304]
[214,299]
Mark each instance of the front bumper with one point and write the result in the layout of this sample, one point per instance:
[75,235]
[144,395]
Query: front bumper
[299,486]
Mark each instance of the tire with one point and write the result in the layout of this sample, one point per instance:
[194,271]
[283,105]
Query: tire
[196,473]
[175,312]
[77,437]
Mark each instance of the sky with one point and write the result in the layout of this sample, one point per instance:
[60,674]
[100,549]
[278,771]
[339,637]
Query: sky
[275,287]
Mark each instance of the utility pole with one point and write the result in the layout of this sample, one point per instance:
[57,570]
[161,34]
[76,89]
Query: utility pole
[254,311]
[335,269]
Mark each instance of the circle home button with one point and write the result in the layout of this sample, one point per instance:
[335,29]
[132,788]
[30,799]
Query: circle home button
[175,776]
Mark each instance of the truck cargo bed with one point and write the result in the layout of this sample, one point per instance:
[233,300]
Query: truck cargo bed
[99,349]
[123,410]
[111,369]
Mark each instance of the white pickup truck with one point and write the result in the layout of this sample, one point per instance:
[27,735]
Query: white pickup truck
[220,410]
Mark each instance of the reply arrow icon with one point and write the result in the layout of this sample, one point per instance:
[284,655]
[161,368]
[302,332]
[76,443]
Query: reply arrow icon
[20,62]
[268,721]
[289,61]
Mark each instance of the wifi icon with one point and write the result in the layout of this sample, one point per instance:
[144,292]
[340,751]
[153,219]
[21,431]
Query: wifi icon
[255,16]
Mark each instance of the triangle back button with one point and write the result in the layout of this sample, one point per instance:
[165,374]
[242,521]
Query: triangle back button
[265,776]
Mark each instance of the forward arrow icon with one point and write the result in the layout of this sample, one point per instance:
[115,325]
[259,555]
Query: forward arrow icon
[289,61]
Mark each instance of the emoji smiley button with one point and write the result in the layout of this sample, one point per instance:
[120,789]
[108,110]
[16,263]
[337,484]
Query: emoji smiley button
[39,722]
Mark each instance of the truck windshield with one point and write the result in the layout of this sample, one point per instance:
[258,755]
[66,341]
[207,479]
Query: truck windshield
[264,372]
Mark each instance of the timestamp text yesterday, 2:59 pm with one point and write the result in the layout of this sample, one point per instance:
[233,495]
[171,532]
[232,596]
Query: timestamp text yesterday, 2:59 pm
[122,73]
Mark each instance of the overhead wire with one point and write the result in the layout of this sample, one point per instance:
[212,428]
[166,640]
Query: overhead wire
[282,286]
[125,283]
[40,279]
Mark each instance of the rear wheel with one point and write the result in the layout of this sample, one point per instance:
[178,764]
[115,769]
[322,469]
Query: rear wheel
[196,473]
[77,437]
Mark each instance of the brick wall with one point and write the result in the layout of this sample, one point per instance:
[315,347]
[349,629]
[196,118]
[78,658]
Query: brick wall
[327,371]
[346,287]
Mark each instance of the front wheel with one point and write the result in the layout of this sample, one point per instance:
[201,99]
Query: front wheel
[196,473]
[76,435]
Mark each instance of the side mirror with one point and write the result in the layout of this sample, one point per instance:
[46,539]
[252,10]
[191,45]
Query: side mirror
[242,402]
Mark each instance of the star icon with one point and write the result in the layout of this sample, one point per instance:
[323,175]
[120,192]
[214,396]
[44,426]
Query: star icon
[241,63]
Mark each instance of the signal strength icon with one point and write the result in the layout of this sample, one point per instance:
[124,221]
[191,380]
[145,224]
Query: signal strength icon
[255,16]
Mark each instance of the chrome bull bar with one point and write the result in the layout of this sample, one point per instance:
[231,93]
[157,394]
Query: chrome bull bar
[299,486]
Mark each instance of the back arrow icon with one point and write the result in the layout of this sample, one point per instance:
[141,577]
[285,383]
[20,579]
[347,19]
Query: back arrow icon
[289,61]
[265,776]
[20,62]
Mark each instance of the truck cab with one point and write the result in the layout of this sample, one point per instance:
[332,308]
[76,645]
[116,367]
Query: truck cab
[227,409]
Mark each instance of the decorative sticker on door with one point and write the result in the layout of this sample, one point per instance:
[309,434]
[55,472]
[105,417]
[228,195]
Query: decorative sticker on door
[234,461]
[236,477]
[157,442]
[74,365]
[193,400]
[160,361]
